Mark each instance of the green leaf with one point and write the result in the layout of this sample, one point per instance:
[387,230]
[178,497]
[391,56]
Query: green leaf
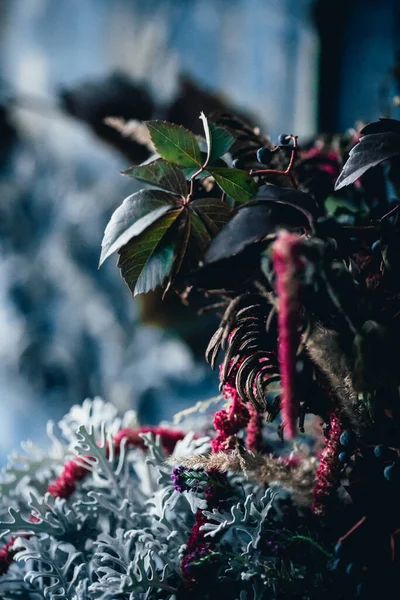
[215,209]
[160,263]
[335,204]
[221,142]
[218,139]
[175,143]
[189,172]
[136,213]
[162,174]
[182,241]
[137,254]
[200,237]
[235,183]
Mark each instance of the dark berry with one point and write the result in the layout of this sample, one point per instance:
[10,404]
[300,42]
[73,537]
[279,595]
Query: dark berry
[376,247]
[392,473]
[347,438]
[237,163]
[264,155]
[343,457]
[283,139]
[384,453]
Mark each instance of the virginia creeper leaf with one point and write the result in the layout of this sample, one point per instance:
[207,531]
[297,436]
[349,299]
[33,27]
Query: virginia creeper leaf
[297,198]
[161,174]
[145,261]
[182,237]
[370,151]
[235,183]
[252,224]
[134,215]
[218,140]
[221,141]
[200,236]
[381,126]
[215,209]
[174,143]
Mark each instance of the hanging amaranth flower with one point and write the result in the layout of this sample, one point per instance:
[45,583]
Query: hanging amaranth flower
[328,472]
[229,422]
[288,262]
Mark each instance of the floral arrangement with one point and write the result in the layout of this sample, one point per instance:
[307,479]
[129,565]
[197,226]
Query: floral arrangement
[292,488]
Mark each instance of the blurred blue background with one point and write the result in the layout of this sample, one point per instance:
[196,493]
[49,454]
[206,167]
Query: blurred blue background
[67,330]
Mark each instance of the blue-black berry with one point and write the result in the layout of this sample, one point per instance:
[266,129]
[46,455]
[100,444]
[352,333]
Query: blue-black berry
[392,473]
[237,163]
[264,155]
[376,247]
[347,438]
[343,457]
[385,453]
[283,139]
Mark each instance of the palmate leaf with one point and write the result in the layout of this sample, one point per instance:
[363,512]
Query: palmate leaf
[235,183]
[136,256]
[371,150]
[136,213]
[174,143]
[161,174]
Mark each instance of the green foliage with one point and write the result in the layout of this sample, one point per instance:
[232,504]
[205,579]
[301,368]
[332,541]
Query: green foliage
[137,213]
[147,259]
[219,140]
[235,183]
[161,174]
[175,144]
[154,229]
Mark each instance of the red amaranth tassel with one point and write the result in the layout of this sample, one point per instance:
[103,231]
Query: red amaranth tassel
[254,430]
[228,423]
[328,473]
[286,256]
